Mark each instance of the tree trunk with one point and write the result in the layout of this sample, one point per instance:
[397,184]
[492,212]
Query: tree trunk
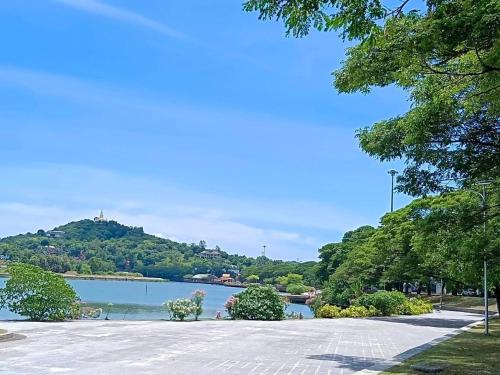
[497,297]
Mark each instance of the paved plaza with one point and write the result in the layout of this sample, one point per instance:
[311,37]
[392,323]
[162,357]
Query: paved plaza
[316,346]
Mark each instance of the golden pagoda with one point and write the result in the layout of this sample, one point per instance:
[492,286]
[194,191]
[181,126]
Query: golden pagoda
[100,218]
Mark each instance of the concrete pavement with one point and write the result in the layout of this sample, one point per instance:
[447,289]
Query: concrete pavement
[315,346]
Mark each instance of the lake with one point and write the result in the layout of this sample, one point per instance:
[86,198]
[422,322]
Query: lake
[138,300]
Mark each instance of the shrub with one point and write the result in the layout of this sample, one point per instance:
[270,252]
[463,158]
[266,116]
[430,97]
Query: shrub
[197,299]
[38,294]
[359,312]
[329,311]
[415,306]
[180,308]
[296,288]
[388,303]
[256,303]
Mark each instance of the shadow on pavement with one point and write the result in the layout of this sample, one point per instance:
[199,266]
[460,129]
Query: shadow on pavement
[347,361]
[426,322]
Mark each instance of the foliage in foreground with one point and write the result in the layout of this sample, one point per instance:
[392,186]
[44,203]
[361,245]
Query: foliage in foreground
[257,303]
[37,294]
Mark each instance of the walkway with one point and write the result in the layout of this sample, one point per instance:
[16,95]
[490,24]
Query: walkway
[319,346]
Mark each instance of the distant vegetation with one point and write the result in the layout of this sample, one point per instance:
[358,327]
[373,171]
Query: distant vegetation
[89,247]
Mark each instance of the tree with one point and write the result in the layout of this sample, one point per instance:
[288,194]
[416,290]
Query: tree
[257,303]
[40,295]
[445,54]
[334,254]
[252,279]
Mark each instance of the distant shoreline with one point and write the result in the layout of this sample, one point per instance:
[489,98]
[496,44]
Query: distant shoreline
[105,277]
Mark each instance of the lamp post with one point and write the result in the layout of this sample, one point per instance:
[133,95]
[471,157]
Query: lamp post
[484,197]
[392,172]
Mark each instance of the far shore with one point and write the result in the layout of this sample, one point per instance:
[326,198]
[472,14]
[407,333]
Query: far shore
[106,277]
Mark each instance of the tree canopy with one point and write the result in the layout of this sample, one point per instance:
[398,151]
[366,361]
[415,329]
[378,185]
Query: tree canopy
[37,294]
[440,238]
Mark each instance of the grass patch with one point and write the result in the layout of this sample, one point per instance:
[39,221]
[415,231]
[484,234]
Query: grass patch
[469,353]
[476,303]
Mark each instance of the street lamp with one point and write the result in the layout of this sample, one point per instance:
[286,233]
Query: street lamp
[392,172]
[485,269]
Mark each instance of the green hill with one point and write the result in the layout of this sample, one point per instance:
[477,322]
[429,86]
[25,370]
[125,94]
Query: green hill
[103,247]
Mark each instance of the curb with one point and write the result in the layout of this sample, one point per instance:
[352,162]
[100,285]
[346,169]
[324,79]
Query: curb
[379,367]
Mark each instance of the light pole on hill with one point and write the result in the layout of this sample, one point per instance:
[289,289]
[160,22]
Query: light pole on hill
[392,172]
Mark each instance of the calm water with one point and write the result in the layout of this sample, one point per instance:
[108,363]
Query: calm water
[137,300]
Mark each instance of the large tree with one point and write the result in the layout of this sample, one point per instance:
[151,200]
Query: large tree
[444,53]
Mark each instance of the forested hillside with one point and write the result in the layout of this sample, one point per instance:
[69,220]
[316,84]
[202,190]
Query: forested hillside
[93,247]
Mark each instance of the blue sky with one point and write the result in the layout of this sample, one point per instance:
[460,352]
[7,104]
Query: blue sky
[192,119]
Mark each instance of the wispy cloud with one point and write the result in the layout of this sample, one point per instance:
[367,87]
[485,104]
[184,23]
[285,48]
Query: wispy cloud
[123,15]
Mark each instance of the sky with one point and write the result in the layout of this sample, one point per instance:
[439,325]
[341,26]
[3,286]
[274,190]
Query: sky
[194,120]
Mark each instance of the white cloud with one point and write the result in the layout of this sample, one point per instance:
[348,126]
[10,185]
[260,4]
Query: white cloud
[124,15]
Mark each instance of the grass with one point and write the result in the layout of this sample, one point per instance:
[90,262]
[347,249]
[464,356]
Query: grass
[476,303]
[469,353]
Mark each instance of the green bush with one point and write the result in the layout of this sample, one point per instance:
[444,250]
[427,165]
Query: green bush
[329,311]
[256,303]
[37,294]
[415,306]
[359,312]
[296,288]
[388,303]
[180,308]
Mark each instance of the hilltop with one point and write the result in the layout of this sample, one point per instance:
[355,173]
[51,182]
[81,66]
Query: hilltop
[102,246]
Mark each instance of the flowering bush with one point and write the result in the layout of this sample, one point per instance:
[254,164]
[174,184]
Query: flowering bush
[197,298]
[180,308]
[230,305]
[256,303]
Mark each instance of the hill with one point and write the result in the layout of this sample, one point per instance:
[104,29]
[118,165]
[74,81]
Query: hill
[103,247]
